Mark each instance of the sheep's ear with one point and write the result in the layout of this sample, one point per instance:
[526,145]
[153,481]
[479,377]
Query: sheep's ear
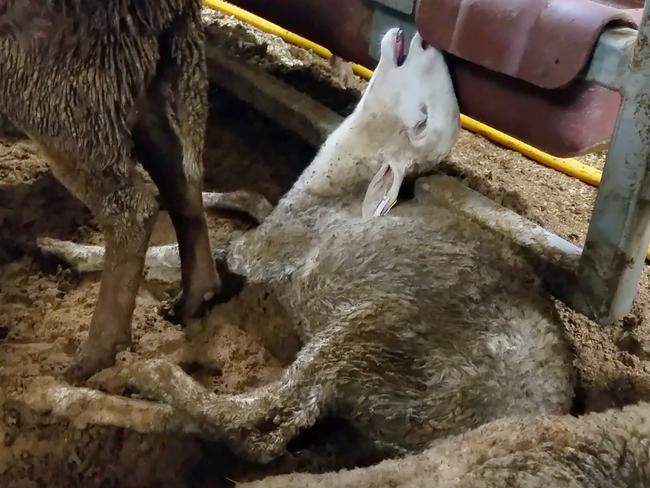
[382,191]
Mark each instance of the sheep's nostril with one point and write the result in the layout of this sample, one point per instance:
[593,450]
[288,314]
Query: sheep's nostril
[424,44]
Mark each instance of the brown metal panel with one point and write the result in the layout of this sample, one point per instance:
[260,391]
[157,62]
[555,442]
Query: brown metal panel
[544,42]
[565,122]
[343,26]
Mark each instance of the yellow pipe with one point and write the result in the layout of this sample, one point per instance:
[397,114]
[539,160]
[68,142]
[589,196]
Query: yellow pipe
[568,166]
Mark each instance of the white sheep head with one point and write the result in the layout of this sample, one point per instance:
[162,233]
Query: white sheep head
[412,116]
[405,123]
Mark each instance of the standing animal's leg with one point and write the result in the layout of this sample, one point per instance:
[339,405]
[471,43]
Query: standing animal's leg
[168,138]
[125,205]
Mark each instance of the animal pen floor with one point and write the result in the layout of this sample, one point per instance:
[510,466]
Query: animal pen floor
[45,308]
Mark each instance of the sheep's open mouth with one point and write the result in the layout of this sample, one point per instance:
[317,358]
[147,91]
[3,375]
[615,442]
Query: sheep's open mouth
[382,191]
[399,48]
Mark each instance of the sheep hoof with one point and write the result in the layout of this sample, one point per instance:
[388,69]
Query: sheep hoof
[92,358]
[185,307]
[85,365]
[171,310]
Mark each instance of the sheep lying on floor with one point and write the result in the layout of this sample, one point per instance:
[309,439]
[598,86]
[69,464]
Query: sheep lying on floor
[412,326]
[604,450]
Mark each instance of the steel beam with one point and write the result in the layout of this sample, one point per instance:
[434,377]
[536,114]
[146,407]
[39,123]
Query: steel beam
[612,57]
[619,233]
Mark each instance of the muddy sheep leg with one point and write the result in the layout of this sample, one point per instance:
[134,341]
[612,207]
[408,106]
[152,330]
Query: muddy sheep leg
[84,407]
[124,203]
[256,425]
[168,139]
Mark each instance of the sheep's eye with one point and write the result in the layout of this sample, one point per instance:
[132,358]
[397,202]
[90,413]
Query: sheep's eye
[422,124]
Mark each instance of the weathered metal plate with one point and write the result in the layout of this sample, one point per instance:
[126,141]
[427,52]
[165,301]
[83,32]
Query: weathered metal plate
[544,42]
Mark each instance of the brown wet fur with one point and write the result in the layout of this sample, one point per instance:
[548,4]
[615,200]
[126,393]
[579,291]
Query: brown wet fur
[45,308]
[82,86]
